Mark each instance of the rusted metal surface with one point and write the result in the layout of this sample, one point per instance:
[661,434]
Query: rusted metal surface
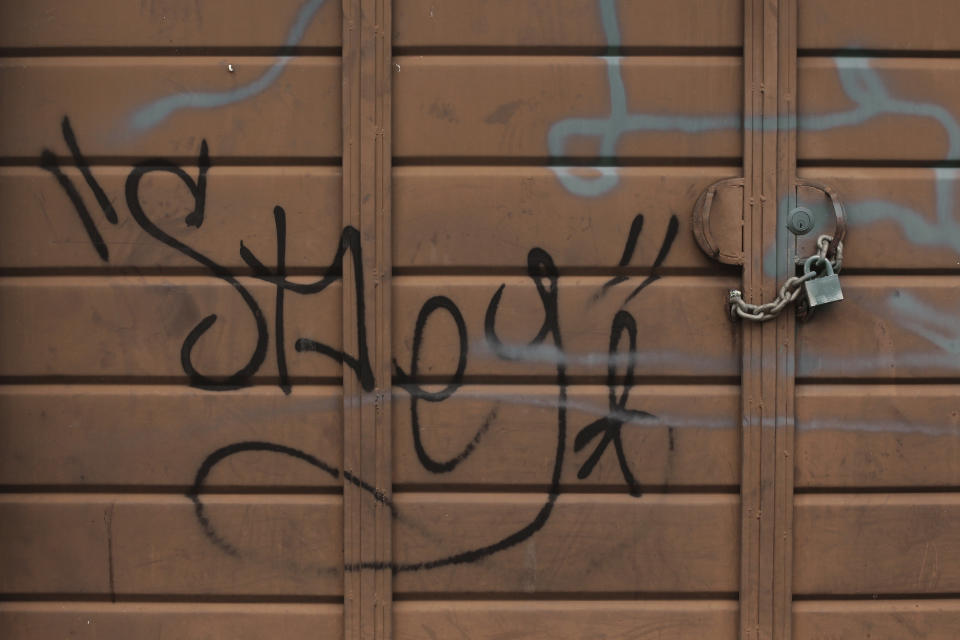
[308,304]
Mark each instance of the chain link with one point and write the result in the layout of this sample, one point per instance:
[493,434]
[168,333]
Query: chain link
[790,290]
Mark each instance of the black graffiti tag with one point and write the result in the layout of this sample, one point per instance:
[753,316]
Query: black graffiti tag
[609,428]
[541,269]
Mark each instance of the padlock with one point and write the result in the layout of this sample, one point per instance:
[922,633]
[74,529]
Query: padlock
[824,288]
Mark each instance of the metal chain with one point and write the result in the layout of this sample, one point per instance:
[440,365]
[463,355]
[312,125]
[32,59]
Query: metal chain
[789,292]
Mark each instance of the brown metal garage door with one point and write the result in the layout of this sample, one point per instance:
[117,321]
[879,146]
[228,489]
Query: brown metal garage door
[366,319]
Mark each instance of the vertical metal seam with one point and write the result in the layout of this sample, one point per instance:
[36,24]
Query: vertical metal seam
[767,377]
[367,440]
[786,325]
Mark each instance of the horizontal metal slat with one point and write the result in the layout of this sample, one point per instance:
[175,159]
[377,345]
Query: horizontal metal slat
[490,217]
[566,620]
[886,327]
[877,436]
[529,24]
[452,107]
[893,25]
[879,619]
[867,544]
[144,107]
[128,326]
[154,544]
[169,621]
[506,437]
[594,544]
[40,227]
[159,436]
[682,327]
[173,24]
[899,219]
[878,109]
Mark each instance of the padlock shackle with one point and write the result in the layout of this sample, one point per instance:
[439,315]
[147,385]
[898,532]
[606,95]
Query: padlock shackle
[808,269]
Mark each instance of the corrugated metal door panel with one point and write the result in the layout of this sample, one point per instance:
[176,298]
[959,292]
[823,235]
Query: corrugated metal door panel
[877,415]
[850,106]
[504,505]
[701,415]
[120,107]
[246,621]
[135,505]
[468,209]
[153,312]
[144,544]
[880,25]
[890,209]
[155,437]
[168,26]
[567,619]
[513,108]
[566,24]
[529,137]
[886,620]
[238,205]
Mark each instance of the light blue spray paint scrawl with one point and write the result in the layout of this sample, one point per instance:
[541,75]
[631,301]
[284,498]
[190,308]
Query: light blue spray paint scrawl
[156,112]
[860,82]
[619,122]
[864,86]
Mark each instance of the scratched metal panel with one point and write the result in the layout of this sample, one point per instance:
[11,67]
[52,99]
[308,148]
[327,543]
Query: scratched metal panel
[291,545]
[522,24]
[876,543]
[550,107]
[878,436]
[878,109]
[451,217]
[130,544]
[158,436]
[506,437]
[158,106]
[886,327]
[567,620]
[169,620]
[587,543]
[169,24]
[133,326]
[899,218]
[679,325]
[935,619]
[921,25]
[41,227]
